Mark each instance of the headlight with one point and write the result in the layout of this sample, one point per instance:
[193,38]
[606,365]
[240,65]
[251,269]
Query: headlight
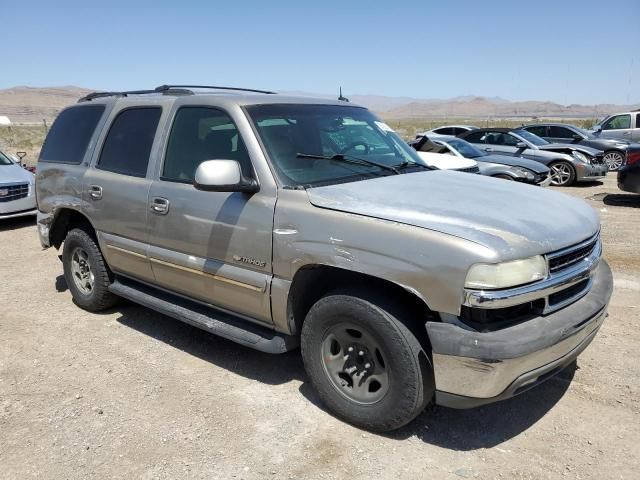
[528,174]
[580,156]
[507,274]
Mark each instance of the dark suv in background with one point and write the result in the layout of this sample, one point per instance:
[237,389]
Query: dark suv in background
[615,150]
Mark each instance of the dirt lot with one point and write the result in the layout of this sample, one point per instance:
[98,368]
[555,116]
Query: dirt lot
[132,394]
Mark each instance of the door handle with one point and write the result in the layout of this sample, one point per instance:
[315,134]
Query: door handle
[159,205]
[95,192]
[488,149]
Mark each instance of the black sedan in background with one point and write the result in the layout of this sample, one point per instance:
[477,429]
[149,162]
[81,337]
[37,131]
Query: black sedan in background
[615,150]
[629,175]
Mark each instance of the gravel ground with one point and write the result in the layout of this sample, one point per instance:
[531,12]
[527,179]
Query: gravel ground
[132,394]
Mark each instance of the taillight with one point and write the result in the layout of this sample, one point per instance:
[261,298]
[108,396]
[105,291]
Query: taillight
[633,157]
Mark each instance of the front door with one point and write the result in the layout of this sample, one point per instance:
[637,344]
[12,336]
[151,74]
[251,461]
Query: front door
[618,126]
[117,188]
[214,247]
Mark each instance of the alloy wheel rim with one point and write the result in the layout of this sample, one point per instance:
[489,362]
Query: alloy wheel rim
[560,173]
[81,271]
[355,363]
[614,160]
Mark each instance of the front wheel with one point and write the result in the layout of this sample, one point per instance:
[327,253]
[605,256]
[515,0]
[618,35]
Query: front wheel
[365,363]
[614,160]
[562,173]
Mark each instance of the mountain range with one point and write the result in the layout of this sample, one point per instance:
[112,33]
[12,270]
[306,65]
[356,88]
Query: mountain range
[34,105]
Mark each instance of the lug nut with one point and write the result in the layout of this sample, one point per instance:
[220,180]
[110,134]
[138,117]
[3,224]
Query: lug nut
[350,349]
[361,353]
[367,365]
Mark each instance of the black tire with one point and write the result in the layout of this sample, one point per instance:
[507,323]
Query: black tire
[99,297]
[568,177]
[410,384]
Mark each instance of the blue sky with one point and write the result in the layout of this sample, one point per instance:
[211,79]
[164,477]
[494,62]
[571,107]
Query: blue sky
[563,50]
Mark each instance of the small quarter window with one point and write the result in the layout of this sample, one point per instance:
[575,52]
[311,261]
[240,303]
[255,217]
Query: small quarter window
[128,144]
[70,134]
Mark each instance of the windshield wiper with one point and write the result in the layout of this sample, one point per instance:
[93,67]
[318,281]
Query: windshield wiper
[406,164]
[349,159]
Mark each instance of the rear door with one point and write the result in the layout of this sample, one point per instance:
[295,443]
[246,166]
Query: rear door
[617,126]
[635,134]
[214,247]
[500,143]
[116,189]
[559,134]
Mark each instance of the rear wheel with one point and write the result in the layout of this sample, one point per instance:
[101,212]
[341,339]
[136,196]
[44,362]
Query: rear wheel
[614,160]
[86,272]
[366,364]
[562,173]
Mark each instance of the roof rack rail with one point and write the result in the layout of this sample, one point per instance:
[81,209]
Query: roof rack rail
[168,89]
[94,95]
[162,88]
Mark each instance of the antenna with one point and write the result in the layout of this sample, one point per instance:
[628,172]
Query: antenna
[341,98]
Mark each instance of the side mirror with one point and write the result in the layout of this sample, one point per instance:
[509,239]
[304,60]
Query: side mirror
[521,145]
[576,137]
[597,128]
[223,176]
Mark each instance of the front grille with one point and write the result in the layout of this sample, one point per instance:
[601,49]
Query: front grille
[570,256]
[568,293]
[598,159]
[540,177]
[469,170]
[8,193]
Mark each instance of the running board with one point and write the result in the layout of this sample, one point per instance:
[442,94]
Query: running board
[207,318]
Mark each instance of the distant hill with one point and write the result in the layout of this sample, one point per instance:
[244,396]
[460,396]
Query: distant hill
[32,105]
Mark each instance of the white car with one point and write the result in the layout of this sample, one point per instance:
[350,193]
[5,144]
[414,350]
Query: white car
[17,190]
[447,130]
[449,162]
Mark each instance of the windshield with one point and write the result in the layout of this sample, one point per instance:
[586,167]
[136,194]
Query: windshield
[4,160]
[297,136]
[465,148]
[530,137]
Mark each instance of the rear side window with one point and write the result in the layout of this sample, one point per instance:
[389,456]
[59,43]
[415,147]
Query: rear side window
[128,144]
[538,130]
[638,120]
[444,131]
[70,134]
[558,132]
[475,137]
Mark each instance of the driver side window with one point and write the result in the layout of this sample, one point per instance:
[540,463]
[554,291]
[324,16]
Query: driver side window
[617,123]
[199,134]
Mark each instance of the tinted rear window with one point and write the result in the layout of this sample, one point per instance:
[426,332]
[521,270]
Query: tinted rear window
[70,134]
[128,144]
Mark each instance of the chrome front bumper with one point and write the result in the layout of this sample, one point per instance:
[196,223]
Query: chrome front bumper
[473,368]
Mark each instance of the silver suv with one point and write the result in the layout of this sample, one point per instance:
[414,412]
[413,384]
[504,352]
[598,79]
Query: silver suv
[280,222]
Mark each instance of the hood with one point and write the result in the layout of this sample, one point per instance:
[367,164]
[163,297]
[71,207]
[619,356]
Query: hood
[571,146]
[14,174]
[513,219]
[445,161]
[532,165]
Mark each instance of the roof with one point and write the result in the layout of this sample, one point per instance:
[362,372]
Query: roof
[232,95]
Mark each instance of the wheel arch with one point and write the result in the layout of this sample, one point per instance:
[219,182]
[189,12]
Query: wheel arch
[312,282]
[64,220]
